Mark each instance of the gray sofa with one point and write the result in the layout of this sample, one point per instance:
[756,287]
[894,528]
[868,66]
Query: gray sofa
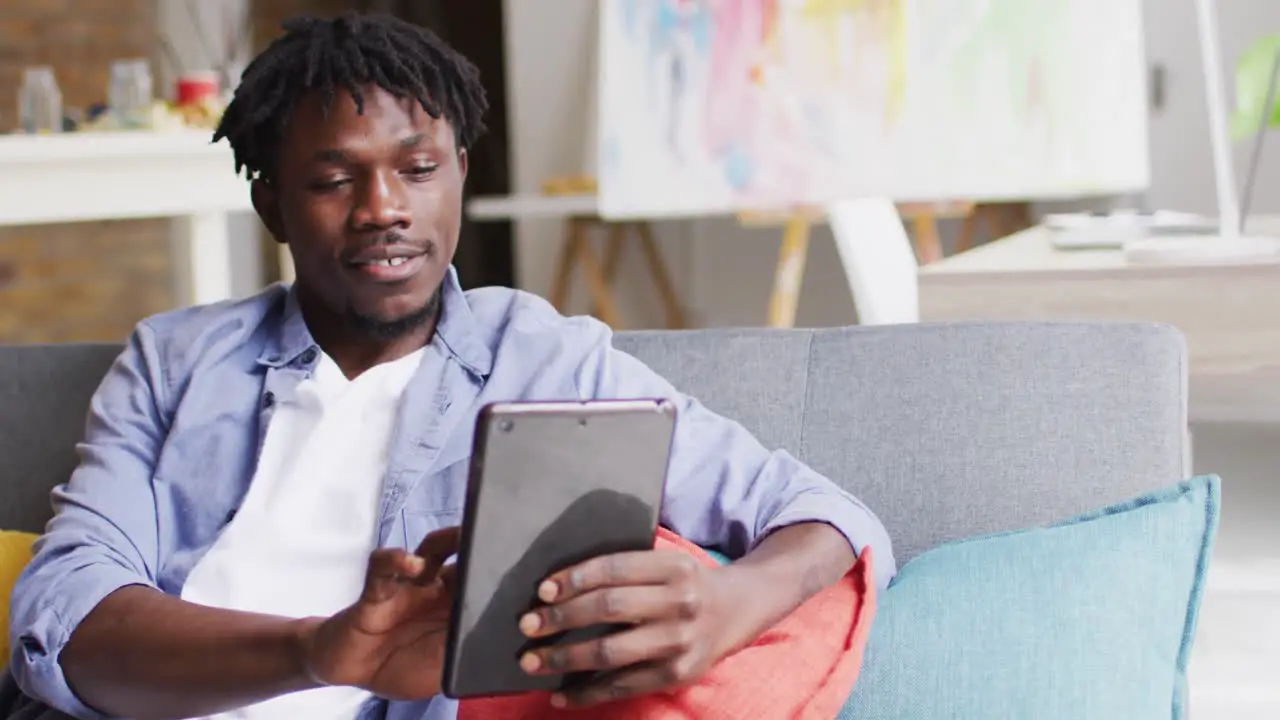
[946,431]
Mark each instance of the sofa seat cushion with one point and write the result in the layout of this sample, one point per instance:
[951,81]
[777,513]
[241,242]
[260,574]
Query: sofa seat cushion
[1092,618]
[15,553]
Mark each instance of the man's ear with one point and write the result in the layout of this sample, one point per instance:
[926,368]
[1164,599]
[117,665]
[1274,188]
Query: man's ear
[267,204]
[462,164]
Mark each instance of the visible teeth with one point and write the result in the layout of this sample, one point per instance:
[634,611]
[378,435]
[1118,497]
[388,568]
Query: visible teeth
[390,262]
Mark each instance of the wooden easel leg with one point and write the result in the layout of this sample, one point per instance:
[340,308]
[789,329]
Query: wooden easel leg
[1013,218]
[789,273]
[615,245]
[575,235]
[1002,220]
[928,241]
[969,231]
[597,284]
[661,278]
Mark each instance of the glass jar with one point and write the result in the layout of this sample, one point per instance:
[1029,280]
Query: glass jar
[130,93]
[39,101]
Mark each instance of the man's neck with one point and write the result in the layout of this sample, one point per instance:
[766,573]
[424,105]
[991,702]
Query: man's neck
[355,352]
[355,349]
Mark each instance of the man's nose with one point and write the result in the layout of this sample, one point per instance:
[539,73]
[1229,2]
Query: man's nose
[380,203]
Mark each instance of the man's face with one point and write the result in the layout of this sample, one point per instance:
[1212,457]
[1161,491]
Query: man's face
[370,205]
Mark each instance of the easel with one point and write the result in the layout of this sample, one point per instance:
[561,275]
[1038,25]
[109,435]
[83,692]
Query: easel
[793,254]
[578,254]
[922,217]
[577,251]
[1002,219]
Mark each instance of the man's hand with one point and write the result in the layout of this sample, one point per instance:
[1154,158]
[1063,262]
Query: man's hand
[679,613]
[391,641]
[683,617]
[142,653]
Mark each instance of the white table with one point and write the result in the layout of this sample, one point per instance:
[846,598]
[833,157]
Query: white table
[79,177]
[1230,314]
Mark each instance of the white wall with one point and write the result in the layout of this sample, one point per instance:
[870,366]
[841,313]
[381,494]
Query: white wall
[1181,160]
[725,272]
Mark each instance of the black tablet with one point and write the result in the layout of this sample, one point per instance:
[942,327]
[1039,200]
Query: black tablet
[551,485]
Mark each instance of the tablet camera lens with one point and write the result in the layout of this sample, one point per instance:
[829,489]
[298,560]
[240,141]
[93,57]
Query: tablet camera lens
[582,422]
[505,426]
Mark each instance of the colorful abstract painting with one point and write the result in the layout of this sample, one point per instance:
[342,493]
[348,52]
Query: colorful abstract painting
[709,106]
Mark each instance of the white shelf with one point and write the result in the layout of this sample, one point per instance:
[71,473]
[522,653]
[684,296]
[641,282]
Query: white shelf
[113,176]
[533,206]
[85,177]
[108,145]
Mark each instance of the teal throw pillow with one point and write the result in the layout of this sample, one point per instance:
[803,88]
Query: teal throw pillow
[1091,619]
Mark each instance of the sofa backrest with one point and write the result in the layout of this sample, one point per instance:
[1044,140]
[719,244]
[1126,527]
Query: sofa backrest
[44,397]
[950,431]
[946,431]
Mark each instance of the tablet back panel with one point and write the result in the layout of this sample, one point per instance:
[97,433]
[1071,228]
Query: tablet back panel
[551,485]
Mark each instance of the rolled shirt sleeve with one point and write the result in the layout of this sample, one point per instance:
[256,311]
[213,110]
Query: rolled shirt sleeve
[725,489]
[103,535]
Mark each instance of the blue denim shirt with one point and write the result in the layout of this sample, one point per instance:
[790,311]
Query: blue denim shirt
[174,431]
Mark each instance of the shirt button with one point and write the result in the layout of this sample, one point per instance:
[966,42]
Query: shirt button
[269,399]
[309,356]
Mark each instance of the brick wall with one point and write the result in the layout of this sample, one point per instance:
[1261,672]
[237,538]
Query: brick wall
[268,15]
[83,281]
[93,281]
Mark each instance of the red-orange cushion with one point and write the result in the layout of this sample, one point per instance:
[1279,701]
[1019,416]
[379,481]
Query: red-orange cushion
[803,668]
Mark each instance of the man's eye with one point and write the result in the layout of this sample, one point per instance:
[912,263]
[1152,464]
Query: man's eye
[327,185]
[422,171]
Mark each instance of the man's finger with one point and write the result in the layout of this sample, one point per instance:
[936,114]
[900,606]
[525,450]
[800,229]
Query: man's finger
[387,570]
[449,576]
[648,567]
[437,547]
[610,605]
[647,643]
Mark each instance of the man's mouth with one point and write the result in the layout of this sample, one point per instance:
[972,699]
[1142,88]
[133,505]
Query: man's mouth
[386,262]
[388,265]
[389,259]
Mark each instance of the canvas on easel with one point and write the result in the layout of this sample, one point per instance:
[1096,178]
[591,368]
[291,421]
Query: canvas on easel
[714,106]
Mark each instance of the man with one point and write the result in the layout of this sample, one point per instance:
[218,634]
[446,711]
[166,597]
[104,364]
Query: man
[234,539]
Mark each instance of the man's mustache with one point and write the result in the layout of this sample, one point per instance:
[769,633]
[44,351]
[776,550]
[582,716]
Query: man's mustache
[393,238]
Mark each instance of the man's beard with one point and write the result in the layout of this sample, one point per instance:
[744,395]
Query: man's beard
[388,330]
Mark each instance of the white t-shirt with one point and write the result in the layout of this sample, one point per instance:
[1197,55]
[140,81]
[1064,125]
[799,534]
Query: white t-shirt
[299,545]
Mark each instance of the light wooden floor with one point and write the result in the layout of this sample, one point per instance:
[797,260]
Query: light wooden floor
[1237,648]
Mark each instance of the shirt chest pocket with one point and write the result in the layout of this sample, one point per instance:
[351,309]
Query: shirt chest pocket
[437,502]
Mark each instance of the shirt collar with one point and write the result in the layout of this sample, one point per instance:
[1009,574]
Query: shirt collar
[457,331]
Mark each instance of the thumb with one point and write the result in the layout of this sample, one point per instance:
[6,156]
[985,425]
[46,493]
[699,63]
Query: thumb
[388,570]
[437,547]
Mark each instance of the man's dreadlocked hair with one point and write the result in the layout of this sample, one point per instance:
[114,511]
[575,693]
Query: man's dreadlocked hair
[348,53]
